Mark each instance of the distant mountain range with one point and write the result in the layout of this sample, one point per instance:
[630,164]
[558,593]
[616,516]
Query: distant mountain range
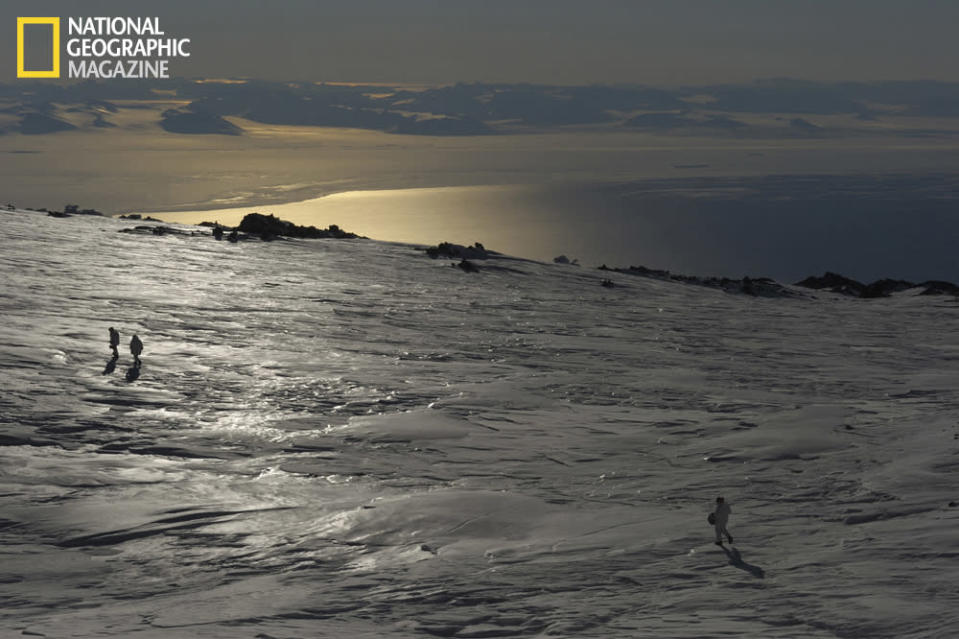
[202,106]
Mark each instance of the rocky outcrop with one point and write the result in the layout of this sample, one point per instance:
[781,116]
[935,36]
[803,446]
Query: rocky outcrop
[70,210]
[159,231]
[754,286]
[886,287]
[836,283]
[270,226]
[458,251]
[254,226]
[937,287]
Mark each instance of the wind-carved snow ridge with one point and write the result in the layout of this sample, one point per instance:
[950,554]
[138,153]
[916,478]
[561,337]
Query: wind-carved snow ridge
[333,438]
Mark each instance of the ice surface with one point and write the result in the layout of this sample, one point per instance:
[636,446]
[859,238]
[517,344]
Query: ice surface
[346,438]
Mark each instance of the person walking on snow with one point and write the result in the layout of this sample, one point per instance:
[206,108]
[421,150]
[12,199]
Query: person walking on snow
[720,518]
[136,347]
[114,342]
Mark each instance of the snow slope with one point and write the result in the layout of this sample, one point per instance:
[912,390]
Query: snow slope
[347,439]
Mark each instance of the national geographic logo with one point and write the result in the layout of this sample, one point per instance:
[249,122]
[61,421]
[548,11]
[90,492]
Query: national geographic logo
[33,24]
[100,47]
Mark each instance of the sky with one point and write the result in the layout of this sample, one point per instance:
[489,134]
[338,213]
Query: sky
[666,42]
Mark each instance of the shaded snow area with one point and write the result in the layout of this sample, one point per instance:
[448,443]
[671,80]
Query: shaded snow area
[345,438]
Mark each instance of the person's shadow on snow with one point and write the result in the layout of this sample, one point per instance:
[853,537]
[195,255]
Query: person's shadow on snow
[111,366]
[133,373]
[736,559]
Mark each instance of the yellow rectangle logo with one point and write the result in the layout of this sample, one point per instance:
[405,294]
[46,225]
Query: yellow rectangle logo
[55,71]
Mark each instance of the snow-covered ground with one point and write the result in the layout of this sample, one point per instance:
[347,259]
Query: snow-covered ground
[348,439]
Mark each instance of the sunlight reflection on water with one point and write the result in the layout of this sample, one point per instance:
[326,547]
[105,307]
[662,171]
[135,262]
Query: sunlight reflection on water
[784,227]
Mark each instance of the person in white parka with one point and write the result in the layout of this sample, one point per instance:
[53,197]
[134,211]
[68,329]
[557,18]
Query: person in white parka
[720,518]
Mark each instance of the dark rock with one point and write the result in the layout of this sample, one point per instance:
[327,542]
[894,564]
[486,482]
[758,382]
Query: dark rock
[648,272]
[936,287]
[272,226]
[756,287]
[835,283]
[446,249]
[74,209]
[467,266]
[886,287]
[607,284]
[880,288]
[157,230]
